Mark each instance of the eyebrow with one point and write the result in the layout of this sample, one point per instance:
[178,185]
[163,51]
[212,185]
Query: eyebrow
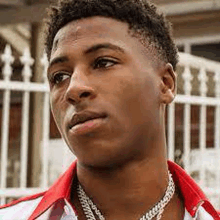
[57,60]
[91,49]
[103,46]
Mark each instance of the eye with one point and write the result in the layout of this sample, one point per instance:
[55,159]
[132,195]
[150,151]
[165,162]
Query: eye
[104,63]
[60,77]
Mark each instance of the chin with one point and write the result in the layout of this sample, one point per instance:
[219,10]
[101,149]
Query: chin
[103,153]
[104,162]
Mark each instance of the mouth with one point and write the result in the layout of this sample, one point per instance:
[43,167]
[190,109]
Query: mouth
[84,118]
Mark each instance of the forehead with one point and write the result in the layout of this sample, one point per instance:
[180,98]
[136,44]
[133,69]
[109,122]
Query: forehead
[89,30]
[93,27]
[77,36]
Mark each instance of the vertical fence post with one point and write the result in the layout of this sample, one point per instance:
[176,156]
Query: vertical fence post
[8,59]
[187,77]
[171,131]
[217,123]
[202,124]
[27,61]
[46,125]
[217,111]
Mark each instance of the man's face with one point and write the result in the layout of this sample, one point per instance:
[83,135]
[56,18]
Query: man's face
[105,91]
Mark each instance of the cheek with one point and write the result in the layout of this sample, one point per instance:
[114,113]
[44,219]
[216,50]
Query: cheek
[142,100]
[127,100]
[58,107]
[150,96]
[150,101]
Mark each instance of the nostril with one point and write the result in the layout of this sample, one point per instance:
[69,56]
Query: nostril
[85,95]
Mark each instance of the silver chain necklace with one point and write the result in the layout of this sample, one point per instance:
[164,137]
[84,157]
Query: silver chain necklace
[89,208]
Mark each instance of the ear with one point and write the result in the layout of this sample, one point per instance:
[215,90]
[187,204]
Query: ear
[168,84]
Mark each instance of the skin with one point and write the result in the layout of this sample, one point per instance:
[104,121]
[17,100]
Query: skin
[122,160]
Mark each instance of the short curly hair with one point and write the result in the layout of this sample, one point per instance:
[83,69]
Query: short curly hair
[144,21]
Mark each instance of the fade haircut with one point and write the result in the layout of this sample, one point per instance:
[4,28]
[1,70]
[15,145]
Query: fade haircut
[144,21]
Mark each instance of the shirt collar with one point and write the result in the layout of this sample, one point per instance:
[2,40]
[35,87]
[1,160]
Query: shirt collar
[192,194]
[61,189]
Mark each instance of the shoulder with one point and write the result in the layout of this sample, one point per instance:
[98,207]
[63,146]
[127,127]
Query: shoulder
[21,208]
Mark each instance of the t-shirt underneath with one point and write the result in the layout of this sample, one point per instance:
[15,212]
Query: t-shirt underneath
[187,216]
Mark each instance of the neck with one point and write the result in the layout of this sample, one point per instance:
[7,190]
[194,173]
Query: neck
[130,191]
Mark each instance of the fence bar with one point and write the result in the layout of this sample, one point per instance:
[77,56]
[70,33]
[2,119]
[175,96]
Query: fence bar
[4,141]
[24,139]
[8,59]
[187,117]
[187,137]
[20,86]
[202,141]
[217,141]
[217,122]
[45,145]
[196,100]
[202,124]
[46,125]
[217,110]
[196,62]
[171,131]
[26,73]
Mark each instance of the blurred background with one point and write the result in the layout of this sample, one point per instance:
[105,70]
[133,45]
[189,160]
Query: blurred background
[32,153]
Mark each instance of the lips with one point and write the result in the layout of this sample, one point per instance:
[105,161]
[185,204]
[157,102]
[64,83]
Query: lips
[83,117]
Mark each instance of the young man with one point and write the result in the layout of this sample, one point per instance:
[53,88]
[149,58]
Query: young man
[111,74]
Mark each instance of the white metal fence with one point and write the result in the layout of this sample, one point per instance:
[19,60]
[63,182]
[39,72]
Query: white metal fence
[26,87]
[191,68]
[200,79]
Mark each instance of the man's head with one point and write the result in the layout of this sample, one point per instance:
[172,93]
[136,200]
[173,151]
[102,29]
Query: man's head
[109,85]
[152,29]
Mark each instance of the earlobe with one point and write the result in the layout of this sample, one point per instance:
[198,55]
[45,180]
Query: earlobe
[168,84]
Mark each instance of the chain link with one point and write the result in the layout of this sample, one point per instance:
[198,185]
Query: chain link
[89,208]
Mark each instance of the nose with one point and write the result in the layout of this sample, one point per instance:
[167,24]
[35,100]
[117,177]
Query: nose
[79,90]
